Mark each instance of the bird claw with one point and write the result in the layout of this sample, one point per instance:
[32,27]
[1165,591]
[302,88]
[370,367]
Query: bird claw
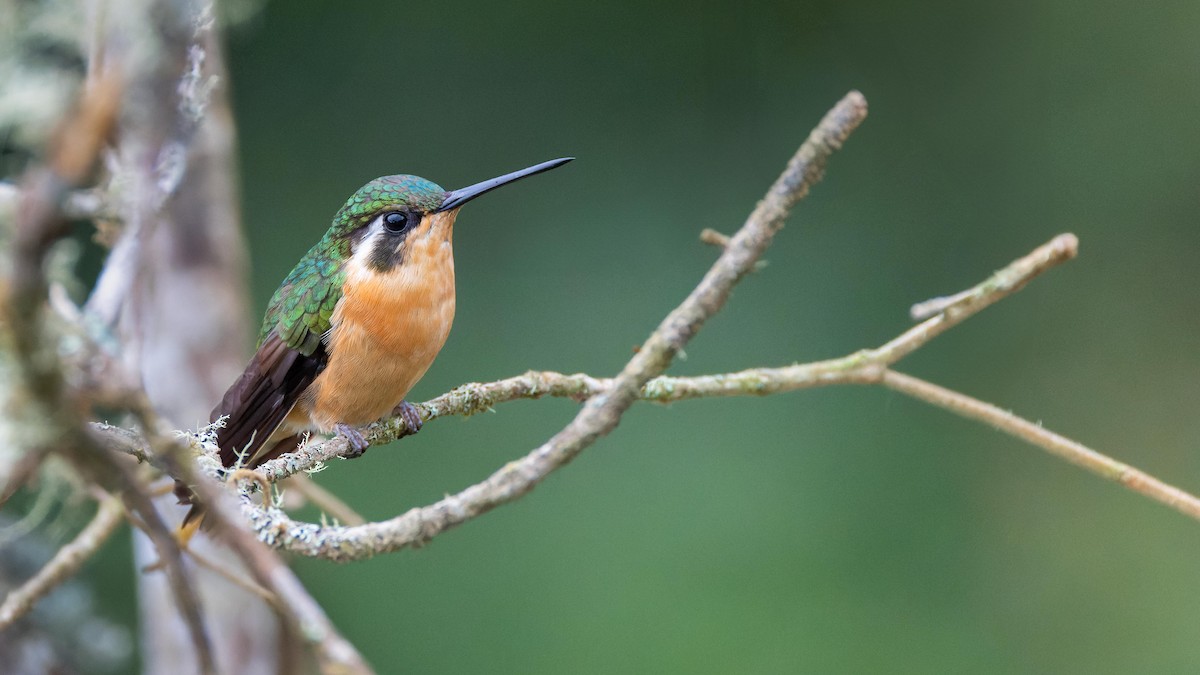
[354,438]
[411,416]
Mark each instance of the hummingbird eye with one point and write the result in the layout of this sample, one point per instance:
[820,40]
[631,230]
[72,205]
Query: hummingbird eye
[395,222]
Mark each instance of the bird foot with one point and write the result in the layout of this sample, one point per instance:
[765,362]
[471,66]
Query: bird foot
[354,438]
[411,416]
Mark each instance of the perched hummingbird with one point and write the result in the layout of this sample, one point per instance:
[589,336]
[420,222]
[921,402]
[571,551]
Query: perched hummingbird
[354,325]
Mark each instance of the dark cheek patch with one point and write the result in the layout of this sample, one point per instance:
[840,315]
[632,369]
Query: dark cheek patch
[388,252]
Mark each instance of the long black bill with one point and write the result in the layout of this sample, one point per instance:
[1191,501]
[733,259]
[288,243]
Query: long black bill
[457,198]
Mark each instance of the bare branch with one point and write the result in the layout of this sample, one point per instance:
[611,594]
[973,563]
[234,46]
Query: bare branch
[925,309]
[994,289]
[1056,251]
[65,563]
[1059,446]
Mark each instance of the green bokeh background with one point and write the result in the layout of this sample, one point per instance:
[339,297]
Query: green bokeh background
[834,530]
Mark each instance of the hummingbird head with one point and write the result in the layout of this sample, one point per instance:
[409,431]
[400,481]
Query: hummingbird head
[383,220]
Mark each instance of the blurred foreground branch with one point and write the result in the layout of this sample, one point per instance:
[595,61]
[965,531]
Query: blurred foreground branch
[65,563]
[175,253]
[40,221]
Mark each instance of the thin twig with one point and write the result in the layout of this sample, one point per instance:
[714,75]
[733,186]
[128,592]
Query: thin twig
[1059,446]
[65,563]
[927,308]
[21,471]
[994,289]
[325,500]
[234,578]
[713,238]
[1008,280]
[124,440]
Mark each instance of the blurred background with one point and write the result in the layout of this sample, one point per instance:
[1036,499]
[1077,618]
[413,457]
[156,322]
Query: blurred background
[832,530]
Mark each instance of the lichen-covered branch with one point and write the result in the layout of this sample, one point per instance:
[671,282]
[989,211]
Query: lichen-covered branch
[335,654]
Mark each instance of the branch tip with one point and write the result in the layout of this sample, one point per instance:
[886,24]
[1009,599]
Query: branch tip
[1012,278]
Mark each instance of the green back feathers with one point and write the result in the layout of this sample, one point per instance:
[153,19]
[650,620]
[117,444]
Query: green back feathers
[302,307]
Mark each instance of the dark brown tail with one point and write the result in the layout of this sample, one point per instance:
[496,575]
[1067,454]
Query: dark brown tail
[256,404]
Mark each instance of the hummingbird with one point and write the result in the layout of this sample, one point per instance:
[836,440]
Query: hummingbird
[353,327]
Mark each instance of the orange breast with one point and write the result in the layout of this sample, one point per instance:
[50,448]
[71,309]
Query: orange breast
[386,331]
